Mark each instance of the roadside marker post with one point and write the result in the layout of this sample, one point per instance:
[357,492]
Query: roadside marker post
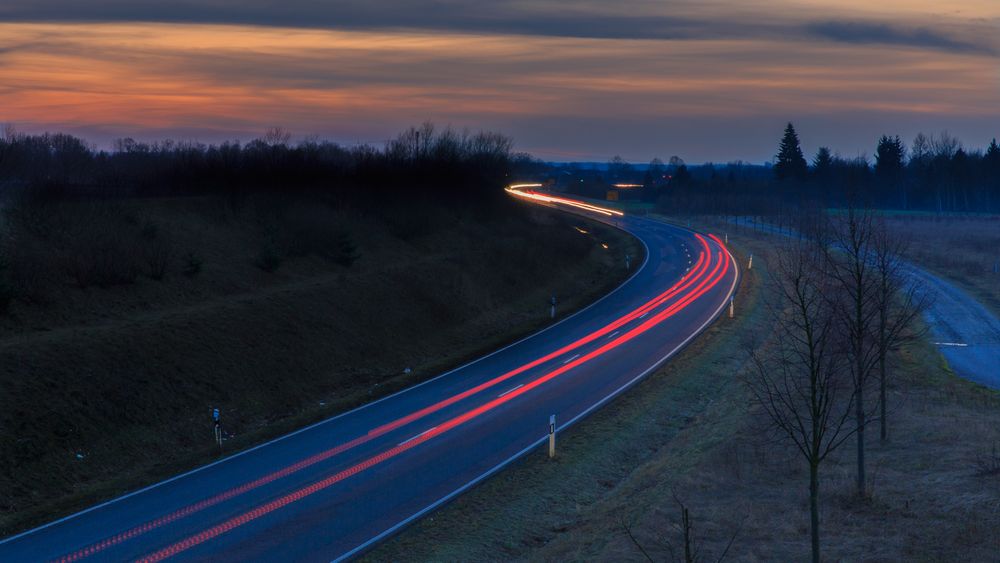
[552,436]
[727,238]
[732,299]
[552,311]
[750,263]
[628,262]
[218,427]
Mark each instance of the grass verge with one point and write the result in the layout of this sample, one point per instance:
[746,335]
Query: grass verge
[685,434]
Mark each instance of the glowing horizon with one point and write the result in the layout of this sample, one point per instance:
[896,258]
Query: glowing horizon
[715,91]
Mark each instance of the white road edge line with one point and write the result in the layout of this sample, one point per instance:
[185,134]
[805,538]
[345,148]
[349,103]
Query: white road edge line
[571,359]
[951,344]
[543,439]
[612,335]
[415,437]
[642,267]
[510,390]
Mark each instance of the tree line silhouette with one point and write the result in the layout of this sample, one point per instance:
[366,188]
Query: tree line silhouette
[934,173]
[422,162]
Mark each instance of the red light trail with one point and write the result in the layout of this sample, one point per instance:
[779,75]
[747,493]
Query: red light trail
[705,284]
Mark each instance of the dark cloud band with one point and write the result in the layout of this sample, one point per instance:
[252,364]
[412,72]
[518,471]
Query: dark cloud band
[638,19]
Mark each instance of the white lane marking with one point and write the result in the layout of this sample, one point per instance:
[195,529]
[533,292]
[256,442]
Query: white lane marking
[509,390]
[952,344]
[415,437]
[643,316]
[571,359]
[612,335]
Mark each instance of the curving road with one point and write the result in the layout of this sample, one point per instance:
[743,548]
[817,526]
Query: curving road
[329,491]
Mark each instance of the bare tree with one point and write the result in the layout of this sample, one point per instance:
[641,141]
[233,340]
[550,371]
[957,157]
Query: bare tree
[850,257]
[899,300]
[685,528]
[800,379]
[277,136]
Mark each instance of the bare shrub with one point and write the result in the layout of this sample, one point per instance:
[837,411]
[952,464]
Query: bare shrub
[100,245]
[192,265]
[268,257]
[157,251]
[317,230]
[407,223]
[6,285]
[987,464]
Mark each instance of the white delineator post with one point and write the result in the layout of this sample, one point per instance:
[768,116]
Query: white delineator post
[552,311]
[552,436]
[750,263]
[218,427]
[732,299]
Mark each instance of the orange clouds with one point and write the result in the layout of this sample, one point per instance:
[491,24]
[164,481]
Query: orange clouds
[224,80]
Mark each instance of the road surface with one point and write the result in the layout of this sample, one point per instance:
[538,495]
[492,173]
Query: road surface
[331,490]
[967,334]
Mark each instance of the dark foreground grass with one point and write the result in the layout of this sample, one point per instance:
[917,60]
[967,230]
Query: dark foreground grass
[685,434]
[108,389]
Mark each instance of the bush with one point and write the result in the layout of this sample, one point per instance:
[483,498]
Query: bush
[192,265]
[157,251]
[268,258]
[6,286]
[343,251]
[100,245]
[317,229]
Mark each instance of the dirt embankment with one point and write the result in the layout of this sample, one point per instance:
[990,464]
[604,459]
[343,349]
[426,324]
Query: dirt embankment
[279,313]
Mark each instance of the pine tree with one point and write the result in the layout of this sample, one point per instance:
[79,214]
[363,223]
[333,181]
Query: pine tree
[889,157]
[992,162]
[993,155]
[823,163]
[889,163]
[791,164]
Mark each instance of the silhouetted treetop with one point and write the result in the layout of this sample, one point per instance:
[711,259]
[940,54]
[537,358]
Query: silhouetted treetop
[790,164]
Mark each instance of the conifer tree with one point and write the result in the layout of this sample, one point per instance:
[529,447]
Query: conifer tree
[791,164]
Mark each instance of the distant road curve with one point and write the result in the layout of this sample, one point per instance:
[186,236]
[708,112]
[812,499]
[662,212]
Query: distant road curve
[966,332]
[331,490]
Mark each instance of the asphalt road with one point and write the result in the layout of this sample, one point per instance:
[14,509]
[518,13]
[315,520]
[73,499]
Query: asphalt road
[967,334]
[330,490]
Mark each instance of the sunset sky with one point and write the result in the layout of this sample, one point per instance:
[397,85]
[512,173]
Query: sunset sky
[709,80]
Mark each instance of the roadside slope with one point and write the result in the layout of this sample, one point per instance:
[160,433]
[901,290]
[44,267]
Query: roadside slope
[109,389]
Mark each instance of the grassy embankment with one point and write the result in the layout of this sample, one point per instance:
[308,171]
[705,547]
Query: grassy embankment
[278,311]
[685,433]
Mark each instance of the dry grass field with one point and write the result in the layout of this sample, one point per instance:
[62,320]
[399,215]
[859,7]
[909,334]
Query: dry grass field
[965,250]
[686,434]
[108,385]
